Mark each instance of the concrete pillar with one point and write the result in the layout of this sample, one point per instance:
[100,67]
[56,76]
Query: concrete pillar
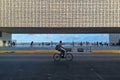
[114,38]
[4,38]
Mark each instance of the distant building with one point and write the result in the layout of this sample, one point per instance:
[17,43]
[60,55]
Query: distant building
[114,38]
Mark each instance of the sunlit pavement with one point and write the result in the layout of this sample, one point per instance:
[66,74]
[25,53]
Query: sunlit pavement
[42,67]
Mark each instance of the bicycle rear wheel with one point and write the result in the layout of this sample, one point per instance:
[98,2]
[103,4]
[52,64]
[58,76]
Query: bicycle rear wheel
[56,57]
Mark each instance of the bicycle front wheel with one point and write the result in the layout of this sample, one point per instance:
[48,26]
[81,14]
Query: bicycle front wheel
[69,57]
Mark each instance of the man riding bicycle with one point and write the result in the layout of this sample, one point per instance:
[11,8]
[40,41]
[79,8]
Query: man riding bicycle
[61,49]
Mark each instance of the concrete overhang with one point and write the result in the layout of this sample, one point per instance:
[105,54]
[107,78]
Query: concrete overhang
[61,30]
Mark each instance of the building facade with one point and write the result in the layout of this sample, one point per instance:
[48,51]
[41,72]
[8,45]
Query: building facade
[60,13]
[114,38]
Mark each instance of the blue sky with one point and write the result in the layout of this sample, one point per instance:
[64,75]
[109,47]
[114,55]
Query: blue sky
[58,37]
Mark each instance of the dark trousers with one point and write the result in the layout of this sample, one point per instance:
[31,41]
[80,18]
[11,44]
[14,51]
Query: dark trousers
[62,52]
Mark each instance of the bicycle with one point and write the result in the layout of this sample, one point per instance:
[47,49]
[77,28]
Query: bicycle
[67,56]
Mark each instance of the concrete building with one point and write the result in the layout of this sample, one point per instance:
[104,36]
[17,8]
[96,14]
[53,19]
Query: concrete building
[114,38]
[59,16]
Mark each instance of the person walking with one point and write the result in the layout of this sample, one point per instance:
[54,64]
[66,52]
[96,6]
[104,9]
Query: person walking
[31,44]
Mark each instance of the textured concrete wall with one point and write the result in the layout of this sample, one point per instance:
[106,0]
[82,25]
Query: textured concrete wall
[59,13]
[114,38]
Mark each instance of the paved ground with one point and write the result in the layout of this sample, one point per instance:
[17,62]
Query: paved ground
[42,67]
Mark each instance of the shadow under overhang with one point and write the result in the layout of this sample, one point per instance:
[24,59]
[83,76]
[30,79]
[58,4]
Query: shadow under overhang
[59,30]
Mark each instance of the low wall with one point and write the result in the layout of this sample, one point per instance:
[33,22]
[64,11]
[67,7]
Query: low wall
[105,51]
[31,52]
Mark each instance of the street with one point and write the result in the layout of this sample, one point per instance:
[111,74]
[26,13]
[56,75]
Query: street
[43,67]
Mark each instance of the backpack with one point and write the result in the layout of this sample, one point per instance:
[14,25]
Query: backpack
[56,47]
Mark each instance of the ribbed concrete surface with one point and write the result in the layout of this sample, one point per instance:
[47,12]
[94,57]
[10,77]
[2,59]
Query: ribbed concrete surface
[59,13]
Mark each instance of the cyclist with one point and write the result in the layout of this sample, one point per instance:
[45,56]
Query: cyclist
[61,49]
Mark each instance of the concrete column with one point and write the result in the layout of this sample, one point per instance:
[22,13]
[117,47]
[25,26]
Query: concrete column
[114,38]
[4,38]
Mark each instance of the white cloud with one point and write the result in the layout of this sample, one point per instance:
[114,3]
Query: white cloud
[62,36]
[76,36]
[105,35]
[50,36]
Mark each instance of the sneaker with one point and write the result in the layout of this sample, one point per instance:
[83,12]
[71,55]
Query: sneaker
[62,56]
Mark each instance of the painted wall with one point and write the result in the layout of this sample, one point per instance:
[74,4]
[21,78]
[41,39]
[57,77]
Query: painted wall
[5,37]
